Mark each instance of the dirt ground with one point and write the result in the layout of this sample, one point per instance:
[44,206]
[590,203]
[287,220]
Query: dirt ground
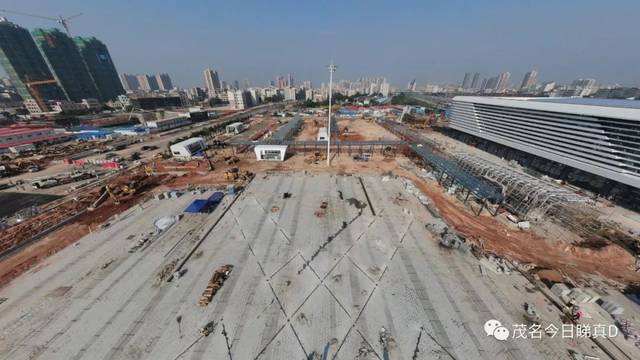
[363,129]
[612,261]
[342,164]
[310,128]
[358,129]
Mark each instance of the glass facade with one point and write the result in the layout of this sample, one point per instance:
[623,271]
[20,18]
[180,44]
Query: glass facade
[64,59]
[22,61]
[100,66]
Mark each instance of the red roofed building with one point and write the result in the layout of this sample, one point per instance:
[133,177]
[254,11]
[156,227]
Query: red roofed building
[14,136]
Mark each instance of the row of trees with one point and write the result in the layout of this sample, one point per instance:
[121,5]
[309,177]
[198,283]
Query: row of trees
[335,99]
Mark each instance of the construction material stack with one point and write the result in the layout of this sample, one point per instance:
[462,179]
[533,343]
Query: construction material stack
[216,282]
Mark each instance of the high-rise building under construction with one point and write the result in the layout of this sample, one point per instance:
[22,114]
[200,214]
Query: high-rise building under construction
[24,64]
[64,59]
[100,65]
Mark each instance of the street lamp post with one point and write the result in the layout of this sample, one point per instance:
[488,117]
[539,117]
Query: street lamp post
[332,69]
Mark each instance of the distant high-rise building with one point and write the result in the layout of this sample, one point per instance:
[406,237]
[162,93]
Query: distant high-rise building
[307,84]
[492,83]
[584,87]
[143,82]
[474,82]
[129,82]
[583,83]
[467,81]
[529,81]
[236,85]
[23,62]
[164,81]
[212,81]
[308,94]
[153,82]
[290,80]
[384,89]
[239,99]
[100,65]
[290,93]
[256,95]
[282,82]
[195,94]
[483,85]
[503,81]
[412,85]
[64,59]
[548,86]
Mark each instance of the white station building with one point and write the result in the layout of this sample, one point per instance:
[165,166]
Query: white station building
[190,148]
[270,152]
[322,134]
[598,136]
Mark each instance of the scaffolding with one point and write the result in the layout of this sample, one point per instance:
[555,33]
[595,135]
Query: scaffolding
[524,194]
[449,174]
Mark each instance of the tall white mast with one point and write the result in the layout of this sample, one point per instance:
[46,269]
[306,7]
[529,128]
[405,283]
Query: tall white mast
[332,69]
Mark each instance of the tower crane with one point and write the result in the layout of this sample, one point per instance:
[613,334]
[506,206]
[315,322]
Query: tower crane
[60,20]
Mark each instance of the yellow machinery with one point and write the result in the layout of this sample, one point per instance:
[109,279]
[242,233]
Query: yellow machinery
[232,174]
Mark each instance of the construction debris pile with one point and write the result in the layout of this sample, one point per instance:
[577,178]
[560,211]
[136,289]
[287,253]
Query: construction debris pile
[120,193]
[594,232]
[165,273]
[629,332]
[216,282]
[445,235]
[10,167]
[42,223]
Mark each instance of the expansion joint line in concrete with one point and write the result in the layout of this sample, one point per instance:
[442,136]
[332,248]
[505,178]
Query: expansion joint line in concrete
[283,266]
[376,284]
[275,296]
[366,195]
[437,343]
[321,282]
[43,348]
[204,236]
[274,222]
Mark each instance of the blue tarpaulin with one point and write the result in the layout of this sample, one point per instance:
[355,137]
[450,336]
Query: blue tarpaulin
[216,198]
[197,206]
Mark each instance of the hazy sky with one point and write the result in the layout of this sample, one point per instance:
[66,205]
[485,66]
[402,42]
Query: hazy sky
[431,41]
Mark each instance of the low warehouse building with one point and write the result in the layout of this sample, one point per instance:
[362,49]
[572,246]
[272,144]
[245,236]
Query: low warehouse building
[16,137]
[187,149]
[235,128]
[270,152]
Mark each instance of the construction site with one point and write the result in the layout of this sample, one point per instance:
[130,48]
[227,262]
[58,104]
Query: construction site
[390,241]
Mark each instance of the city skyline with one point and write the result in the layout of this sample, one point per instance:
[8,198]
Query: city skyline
[281,38]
